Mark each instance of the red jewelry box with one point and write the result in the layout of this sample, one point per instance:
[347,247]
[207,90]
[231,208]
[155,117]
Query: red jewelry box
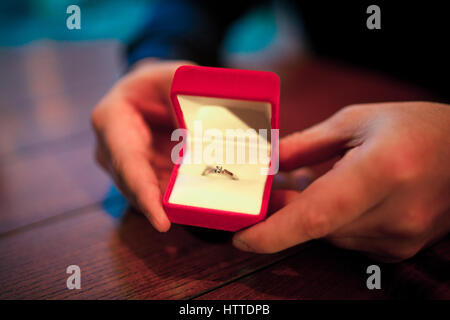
[221,100]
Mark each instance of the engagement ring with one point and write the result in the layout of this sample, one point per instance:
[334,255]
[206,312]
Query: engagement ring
[219,170]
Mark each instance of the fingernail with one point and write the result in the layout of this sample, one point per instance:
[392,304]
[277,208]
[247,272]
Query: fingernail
[241,244]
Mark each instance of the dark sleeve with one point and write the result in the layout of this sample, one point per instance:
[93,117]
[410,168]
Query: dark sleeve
[191,30]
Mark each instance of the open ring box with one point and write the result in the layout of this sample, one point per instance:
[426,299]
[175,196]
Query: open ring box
[225,113]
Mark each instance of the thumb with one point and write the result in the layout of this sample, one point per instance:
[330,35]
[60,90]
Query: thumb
[330,202]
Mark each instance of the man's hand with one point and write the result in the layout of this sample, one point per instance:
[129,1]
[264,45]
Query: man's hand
[388,196]
[124,138]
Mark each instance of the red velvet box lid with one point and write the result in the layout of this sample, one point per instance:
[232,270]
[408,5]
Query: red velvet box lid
[258,86]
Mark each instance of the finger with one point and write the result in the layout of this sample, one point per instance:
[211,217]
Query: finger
[297,180]
[287,186]
[148,89]
[387,250]
[280,198]
[366,246]
[128,141]
[303,177]
[322,141]
[332,201]
[142,188]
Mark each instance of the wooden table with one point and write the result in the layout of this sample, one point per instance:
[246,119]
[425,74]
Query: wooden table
[57,208]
